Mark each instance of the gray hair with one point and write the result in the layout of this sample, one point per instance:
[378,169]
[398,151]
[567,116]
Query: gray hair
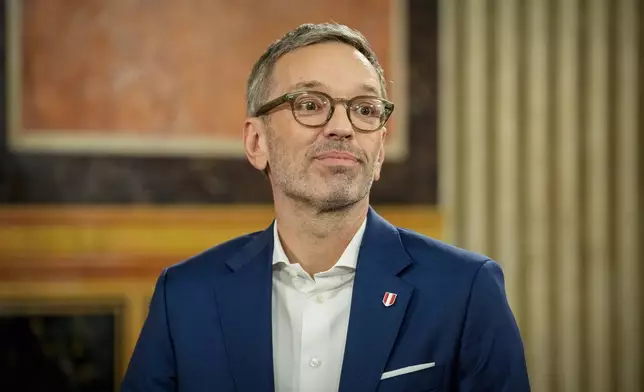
[259,81]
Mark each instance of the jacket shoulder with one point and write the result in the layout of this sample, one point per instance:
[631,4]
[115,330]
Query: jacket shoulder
[449,269]
[428,251]
[211,259]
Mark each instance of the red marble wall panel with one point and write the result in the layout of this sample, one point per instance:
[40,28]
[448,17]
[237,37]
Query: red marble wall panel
[144,165]
[163,67]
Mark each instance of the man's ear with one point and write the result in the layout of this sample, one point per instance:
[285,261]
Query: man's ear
[255,143]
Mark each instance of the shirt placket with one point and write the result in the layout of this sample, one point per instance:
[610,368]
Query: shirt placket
[315,337]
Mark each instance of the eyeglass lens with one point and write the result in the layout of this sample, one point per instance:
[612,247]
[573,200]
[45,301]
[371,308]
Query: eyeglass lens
[313,110]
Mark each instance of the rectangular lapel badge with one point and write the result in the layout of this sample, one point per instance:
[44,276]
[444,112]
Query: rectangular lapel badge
[389,299]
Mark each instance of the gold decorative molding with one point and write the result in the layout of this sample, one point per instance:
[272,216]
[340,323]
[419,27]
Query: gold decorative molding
[55,243]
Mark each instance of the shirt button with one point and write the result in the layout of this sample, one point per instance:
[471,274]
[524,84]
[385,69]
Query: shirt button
[315,363]
[320,298]
[292,272]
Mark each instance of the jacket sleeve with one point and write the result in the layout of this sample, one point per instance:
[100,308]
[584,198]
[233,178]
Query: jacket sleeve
[152,365]
[491,354]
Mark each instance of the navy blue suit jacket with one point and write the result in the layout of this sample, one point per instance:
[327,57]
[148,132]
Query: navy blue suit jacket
[209,323]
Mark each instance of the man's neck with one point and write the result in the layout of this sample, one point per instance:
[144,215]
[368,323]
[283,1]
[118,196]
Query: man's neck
[314,239]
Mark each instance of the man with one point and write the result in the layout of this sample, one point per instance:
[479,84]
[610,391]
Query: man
[331,296]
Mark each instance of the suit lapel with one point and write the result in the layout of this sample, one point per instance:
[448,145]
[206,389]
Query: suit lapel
[244,303]
[373,327]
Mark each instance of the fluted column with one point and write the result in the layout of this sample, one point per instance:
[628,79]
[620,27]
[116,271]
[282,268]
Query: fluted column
[539,164]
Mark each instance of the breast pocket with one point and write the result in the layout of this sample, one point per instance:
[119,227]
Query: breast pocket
[427,379]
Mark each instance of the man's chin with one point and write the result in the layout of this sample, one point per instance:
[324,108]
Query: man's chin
[334,205]
[336,198]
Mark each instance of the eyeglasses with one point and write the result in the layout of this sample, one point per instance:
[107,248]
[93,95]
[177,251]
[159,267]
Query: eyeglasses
[314,109]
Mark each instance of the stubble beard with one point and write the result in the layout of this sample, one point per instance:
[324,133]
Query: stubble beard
[299,185]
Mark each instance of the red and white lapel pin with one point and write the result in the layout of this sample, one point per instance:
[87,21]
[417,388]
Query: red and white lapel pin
[389,299]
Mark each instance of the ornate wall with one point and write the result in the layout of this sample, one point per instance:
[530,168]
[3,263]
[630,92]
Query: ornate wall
[119,156]
[541,168]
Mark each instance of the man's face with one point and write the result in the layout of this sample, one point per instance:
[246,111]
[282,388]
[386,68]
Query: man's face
[331,166]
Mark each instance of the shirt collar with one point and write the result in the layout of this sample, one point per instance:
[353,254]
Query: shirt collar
[349,257]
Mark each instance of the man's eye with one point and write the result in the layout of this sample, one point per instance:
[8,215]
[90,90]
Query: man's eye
[309,106]
[365,110]
[368,110]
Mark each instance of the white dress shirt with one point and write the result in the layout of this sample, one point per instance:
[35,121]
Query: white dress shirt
[310,320]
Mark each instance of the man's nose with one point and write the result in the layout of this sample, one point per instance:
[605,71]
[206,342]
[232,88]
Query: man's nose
[339,126]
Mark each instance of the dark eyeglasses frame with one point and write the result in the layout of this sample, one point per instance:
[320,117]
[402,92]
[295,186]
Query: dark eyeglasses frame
[347,103]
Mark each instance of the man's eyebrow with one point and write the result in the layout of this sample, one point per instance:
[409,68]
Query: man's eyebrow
[306,84]
[370,89]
